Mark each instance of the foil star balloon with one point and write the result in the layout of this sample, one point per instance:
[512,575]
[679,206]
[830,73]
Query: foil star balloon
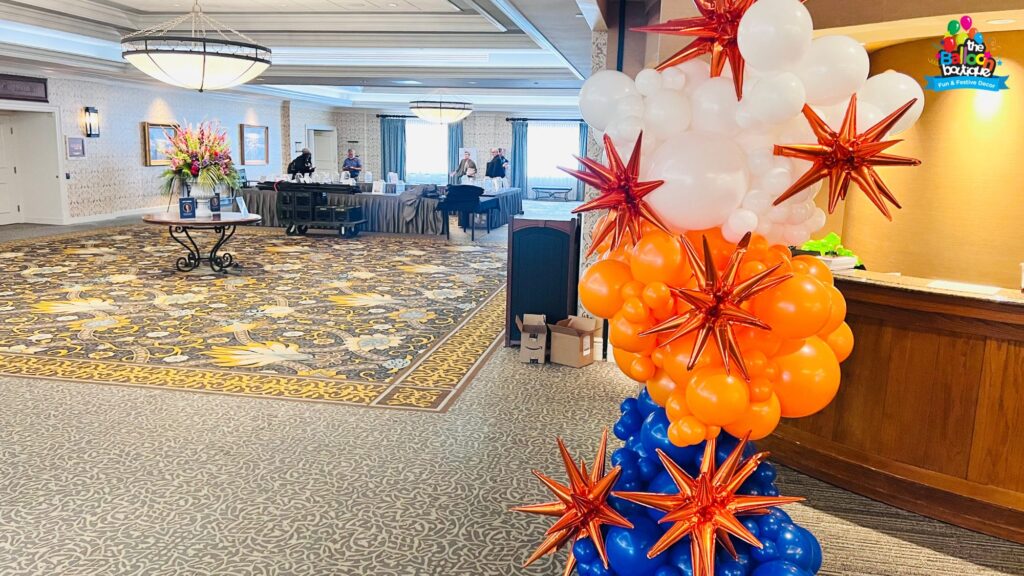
[715,31]
[846,156]
[582,506]
[622,194]
[716,304]
[707,507]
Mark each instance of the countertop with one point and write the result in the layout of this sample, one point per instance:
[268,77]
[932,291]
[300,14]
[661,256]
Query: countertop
[925,286]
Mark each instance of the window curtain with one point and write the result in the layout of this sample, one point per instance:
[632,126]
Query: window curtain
[392,144]
[518,159]
[454,143]
[584,132]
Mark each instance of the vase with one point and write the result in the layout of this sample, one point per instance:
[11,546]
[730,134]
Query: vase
[202,194]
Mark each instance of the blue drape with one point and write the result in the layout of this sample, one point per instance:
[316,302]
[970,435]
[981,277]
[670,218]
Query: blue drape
[392,145]
[582,154]
[518,159]
[454,143]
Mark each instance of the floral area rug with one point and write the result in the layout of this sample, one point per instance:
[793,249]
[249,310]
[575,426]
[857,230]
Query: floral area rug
[399,322]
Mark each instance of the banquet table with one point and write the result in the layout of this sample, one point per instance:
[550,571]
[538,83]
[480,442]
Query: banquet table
[403,213]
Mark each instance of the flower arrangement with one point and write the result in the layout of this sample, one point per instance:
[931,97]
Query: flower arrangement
[199,155]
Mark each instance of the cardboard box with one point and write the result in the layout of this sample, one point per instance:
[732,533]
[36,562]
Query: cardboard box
[534,341]
[572,341]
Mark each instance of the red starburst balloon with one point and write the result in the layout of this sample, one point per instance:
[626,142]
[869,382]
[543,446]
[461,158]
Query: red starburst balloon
[716,304]
[582,506]
[846,156]
[707,507]
[622,194]
[715,31]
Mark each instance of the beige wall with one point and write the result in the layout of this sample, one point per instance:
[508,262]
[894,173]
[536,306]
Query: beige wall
[963,208]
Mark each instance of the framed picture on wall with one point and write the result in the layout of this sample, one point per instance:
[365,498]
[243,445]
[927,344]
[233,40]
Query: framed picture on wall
[76,147]
[156,138]
[255,142]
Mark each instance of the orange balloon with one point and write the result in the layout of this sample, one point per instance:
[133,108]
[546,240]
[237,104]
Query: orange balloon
[660,386]
[837,313]
[658,357]
[751,268]
[797,308]
[600,287]
[635,311]
[760,389]
[816,268]
[686,431]
[622,254]
[717,398]
[751,339]
[808,379]
[841,341]
[658,257]
[778,254]
[657,295]
[721,249]
[626,335]
[642,369]
[606,244]
[759,421]
[756,362]
[712,432]
[675,405]
[677,355]
[632,289]
[624,359]
[790,346]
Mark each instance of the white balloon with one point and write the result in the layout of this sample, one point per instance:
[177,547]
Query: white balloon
[775,99]
[775,181]
[816,221]
[666,113]
[625,130]
[739,223]
[795,235]
[705,178]
[673,79]
[890,90]
[867,114]
[767,228]
[632,105]
[835,68]
[800,212]
[694,72]
[758,201]
[778,214]
[600,94]
[648,81]
[714,107]
[760,161]
[775,34]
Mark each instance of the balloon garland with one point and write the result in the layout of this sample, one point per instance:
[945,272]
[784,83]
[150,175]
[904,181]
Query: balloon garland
[735,167]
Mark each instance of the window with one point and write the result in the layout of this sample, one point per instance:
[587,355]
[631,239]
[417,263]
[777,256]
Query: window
[548,146]
[426,152]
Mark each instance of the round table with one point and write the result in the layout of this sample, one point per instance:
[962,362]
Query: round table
[222,224]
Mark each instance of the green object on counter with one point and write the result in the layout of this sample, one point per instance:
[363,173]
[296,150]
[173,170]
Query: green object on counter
[830,245]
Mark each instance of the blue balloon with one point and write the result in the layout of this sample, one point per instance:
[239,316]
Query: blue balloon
[627,549]
[668,571]
[766,553]
[725,566]
[629,405]
[779,568]
[584,551]
[979,38]
[794,547]
[649,467]
[646,404]
[632,419]
[815,550]
[680,556]
[654,435]
[662,484]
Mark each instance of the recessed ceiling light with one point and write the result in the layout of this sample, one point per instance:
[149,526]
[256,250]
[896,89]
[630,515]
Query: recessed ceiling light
[392,4]
[472,81]
[999,21]
[410,82]
[579,15]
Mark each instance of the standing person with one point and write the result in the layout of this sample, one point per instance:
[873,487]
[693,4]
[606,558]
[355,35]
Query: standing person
[497,164]
[466,167]
[352,164]
[302,165]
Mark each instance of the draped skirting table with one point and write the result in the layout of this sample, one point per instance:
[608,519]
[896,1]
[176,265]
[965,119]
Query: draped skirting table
[406,213]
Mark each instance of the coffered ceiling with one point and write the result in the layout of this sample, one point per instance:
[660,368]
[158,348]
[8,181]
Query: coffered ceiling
[512,48]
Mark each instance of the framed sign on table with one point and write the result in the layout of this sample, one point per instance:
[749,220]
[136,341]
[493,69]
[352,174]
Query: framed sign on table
[255,143]
[156,139]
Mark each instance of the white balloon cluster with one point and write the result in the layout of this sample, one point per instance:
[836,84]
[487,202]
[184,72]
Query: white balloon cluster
[716,153]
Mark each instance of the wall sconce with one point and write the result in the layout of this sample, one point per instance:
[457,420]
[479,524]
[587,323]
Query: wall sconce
[92,122]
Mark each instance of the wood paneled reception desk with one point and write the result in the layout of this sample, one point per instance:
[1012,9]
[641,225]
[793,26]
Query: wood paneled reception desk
[930,413]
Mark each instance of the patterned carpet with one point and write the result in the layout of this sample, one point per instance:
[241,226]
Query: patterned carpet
[379,321]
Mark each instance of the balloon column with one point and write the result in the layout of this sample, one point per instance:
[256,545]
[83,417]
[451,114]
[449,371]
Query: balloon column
[727,331]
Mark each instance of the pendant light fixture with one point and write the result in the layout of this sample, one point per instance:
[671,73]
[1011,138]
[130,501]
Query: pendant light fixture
[211,57]
[440,111]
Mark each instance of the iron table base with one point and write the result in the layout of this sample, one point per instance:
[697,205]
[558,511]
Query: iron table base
[218,260]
